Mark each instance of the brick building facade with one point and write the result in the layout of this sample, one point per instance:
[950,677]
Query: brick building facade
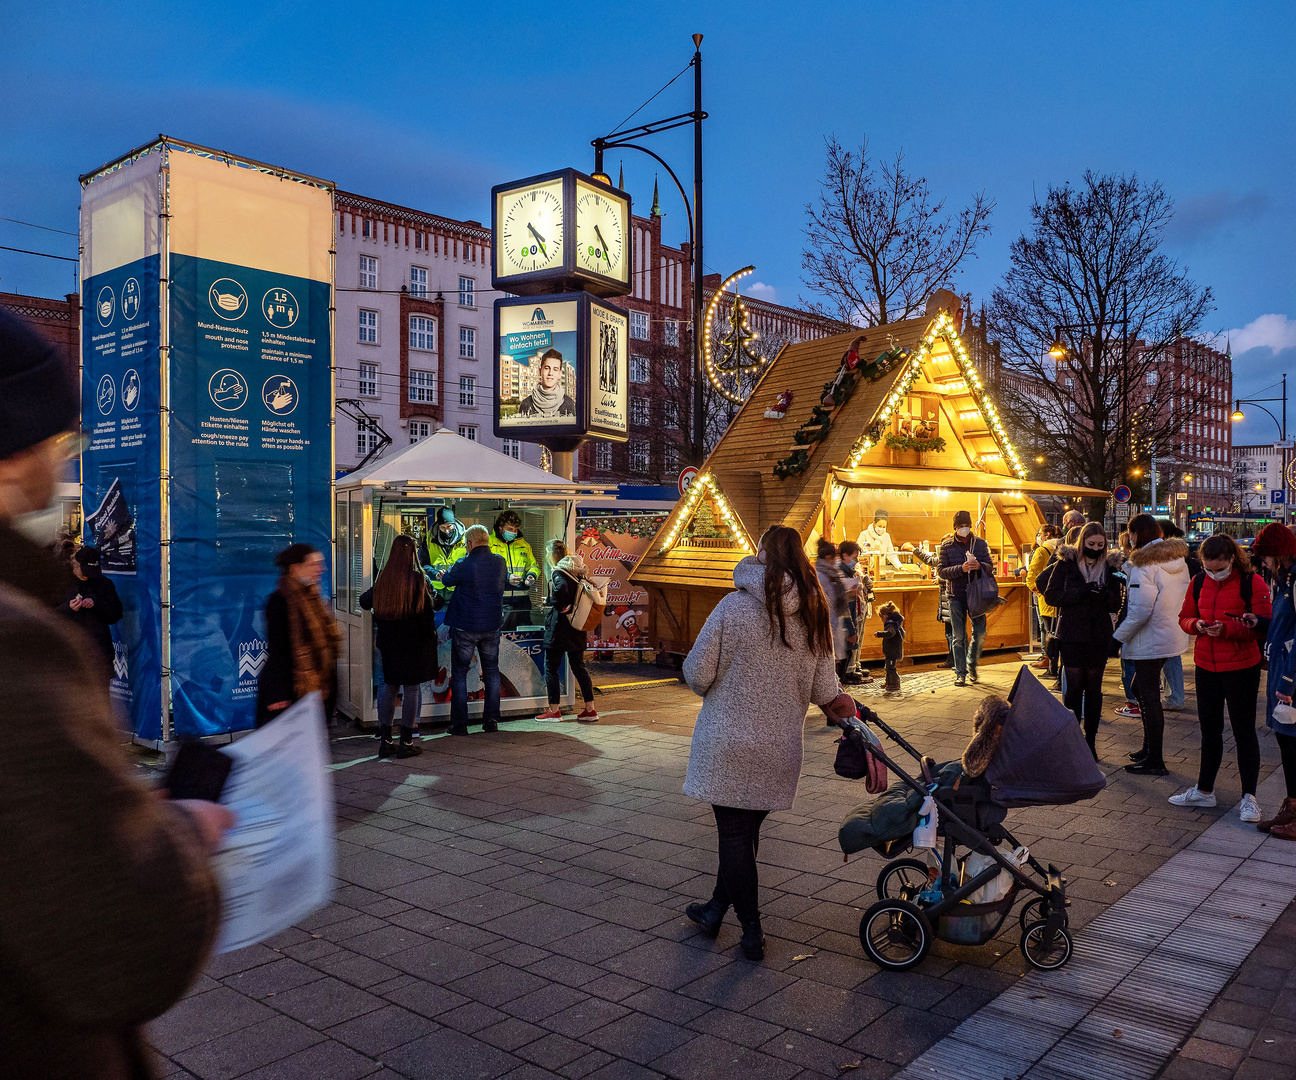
[57,320]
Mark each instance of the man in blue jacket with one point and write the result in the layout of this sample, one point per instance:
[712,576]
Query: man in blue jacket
[963,554]
[475,615]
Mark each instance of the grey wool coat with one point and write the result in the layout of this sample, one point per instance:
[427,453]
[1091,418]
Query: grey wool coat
[755,690]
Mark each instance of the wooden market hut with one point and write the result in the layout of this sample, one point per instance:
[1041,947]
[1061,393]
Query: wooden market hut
[891,419]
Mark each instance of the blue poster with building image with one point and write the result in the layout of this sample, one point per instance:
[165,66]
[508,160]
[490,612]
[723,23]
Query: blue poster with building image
[251,459]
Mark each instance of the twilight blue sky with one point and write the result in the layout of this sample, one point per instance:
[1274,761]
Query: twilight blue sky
[429,104]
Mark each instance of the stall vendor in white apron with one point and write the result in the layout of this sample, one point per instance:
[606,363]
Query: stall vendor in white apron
[875,540]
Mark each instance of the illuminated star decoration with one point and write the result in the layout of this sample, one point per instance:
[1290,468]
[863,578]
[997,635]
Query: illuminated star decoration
[733,358]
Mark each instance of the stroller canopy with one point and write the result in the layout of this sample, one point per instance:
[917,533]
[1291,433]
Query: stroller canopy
[1041,758]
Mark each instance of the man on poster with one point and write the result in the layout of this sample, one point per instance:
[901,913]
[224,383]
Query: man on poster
[548,399]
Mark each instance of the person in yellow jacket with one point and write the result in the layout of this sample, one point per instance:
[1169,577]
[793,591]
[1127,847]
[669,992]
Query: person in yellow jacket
[523,571]
[1048,541]
[443,547]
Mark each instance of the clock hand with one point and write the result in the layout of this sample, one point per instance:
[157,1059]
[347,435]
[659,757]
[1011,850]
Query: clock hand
[539,239]
[605,245]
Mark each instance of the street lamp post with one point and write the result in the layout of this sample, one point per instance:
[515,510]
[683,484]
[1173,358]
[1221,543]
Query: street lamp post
[625,139]
[1283,445]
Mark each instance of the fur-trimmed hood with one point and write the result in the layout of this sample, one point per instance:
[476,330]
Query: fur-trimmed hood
[1115,560]
[988,723]
[1160,551]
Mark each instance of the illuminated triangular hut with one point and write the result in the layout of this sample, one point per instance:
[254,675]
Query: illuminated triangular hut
[887,426]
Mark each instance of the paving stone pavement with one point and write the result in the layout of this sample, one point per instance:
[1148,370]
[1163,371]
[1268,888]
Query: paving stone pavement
[511,905]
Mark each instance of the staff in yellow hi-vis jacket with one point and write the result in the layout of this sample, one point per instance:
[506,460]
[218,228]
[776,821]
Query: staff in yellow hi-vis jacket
[443,548]
[523,570]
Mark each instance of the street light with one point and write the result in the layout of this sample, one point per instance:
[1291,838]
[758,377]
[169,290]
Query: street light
[1057,349]
[1039,459]
[1239,415]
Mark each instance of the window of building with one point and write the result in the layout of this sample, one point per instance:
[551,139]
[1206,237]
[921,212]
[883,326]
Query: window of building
[468,390]
[467,292]
[638,456]
[368,380]
[419,429]
[603,456]
[671,332]
[366,439]
[670,375]
[368,327]
[418,281]
[513,448]
[467,343]
[670,414]
[638,368]
[639,325]
[672,458]
[1151,378]
[422,386]
[368,268]
[638,410]
[365,230]
[468,431]
[422,333]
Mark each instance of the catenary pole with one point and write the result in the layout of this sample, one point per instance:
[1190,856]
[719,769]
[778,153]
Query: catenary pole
[699,371]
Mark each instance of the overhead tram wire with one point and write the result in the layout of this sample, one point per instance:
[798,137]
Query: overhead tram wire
[46,228]
[651,99]
[42,254]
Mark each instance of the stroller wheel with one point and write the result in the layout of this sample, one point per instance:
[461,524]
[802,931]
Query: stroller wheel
[895,934]
[902,879]
[1046,957]
[1033,911]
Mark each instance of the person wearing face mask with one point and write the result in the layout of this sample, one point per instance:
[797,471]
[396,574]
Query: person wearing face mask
[960,556]
[1150,632]
[1047,542]
[859,606]
[1085,589]
[828,571]
[443,546]
[87,849]
[876,540]
[1227,657]
[523,571]
[1276,546]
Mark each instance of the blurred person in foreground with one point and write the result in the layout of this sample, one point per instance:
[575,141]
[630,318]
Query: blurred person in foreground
[88,853]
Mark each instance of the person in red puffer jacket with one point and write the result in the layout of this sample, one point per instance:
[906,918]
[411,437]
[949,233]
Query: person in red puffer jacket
[1227,655]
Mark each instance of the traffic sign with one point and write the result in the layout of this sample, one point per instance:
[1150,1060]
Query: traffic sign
[1122,512]
[1123,494]
[686,477]
[1284,444]
[1277,496]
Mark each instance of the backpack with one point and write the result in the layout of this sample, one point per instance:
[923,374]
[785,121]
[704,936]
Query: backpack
[587,608]
[1246,585]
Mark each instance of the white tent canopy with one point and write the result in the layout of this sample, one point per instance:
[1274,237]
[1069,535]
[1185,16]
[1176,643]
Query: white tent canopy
[448,462]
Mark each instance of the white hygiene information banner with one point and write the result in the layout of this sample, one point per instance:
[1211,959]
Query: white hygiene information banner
[276,865]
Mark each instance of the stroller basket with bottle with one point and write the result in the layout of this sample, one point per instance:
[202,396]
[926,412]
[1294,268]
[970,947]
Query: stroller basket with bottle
[1027,751]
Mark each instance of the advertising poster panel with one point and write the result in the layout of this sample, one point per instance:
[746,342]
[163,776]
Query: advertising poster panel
[537,365]
[120,397]
[608,369]
[611,545]
[251,400]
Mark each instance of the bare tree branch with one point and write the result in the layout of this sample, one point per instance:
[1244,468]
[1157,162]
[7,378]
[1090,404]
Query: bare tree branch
[877,245]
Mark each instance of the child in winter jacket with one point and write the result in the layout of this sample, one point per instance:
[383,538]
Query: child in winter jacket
[892,635]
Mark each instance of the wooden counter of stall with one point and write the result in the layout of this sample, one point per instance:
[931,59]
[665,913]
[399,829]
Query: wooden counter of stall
[883,436]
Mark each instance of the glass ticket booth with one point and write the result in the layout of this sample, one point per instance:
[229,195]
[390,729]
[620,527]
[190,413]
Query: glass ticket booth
[368,516]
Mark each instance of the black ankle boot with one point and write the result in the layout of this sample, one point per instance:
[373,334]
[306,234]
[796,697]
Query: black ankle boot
[753,941]
[386,748]
[408,748]
[709,916]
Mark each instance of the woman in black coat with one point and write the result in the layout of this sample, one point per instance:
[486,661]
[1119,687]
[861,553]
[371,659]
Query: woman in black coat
[1086,586]
[404,615]
[560,637]
[93,604]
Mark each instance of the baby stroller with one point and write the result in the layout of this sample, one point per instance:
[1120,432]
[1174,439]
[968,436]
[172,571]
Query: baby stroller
[1027,751]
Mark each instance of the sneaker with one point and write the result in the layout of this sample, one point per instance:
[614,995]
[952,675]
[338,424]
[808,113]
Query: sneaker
[1249,809]
[973,677]
[960,680]
[1143,768]
[589,716]
[1195,797]
[1130,710]
[550,714]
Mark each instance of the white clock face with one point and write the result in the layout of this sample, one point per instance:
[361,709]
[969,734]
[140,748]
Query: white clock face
[531,228]
[601,228]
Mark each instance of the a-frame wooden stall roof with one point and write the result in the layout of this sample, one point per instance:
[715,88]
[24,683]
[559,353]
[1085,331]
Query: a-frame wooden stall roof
[741,467]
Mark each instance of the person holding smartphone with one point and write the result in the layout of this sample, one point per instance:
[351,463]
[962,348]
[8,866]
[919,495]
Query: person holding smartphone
[1227,654]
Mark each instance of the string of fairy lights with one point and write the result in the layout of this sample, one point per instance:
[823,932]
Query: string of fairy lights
[701,484]
[740,334]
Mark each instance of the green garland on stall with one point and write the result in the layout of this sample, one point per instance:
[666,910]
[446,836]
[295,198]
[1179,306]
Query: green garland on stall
[895,441]
[837,389]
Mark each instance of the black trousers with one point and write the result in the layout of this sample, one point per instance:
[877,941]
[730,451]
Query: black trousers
[1237,689]
[1287,748]
[736,880]
[1147,688]
[576,659]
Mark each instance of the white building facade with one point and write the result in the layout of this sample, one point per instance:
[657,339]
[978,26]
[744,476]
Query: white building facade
[414,327]
[1258,478]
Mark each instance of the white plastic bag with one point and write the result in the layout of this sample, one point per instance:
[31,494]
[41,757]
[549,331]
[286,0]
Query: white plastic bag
[997,887]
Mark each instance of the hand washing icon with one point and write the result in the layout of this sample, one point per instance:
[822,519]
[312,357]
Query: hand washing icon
[280,395]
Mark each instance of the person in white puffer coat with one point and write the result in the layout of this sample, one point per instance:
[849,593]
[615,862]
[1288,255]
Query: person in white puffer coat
[1150,632]
[762,657]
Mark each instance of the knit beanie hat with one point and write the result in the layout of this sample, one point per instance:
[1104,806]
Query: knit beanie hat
[39,397]
[962,517]
[1275,539]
